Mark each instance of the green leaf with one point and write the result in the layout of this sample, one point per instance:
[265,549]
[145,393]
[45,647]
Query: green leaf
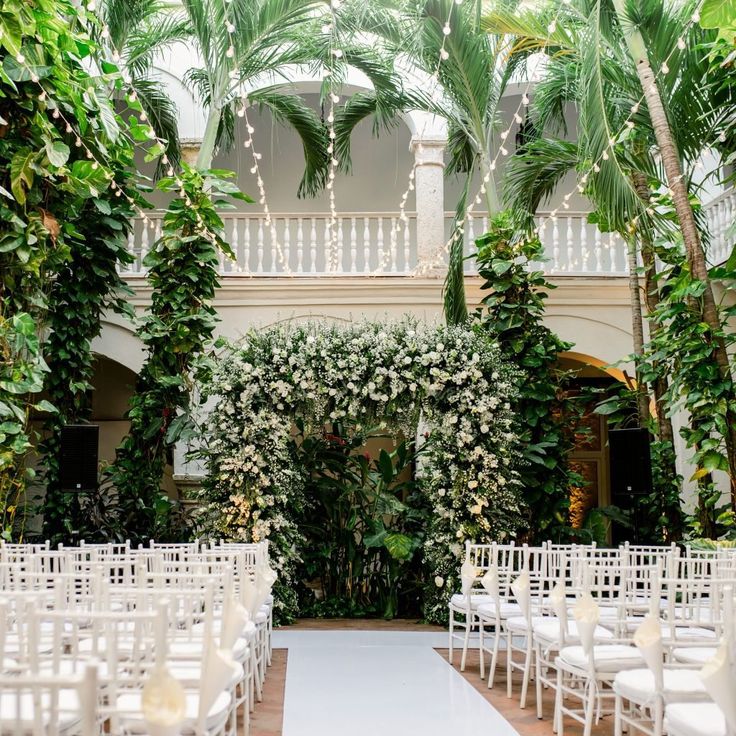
[399,546]
[21,174]
[58,153]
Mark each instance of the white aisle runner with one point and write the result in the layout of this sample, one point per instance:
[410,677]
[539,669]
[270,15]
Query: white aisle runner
[368,683]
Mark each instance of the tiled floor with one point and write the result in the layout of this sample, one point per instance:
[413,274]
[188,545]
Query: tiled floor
[392,676]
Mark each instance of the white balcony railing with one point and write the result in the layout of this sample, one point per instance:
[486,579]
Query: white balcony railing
[380,243]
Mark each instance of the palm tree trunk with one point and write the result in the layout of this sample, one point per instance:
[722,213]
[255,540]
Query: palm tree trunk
[207,149]
[683,208]
[637,328]
[651,296]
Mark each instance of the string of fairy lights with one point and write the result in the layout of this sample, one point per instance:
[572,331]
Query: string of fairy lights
[435,260]
[403,218]
[425,265]
[490,164]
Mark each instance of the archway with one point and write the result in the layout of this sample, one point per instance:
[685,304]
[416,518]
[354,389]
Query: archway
[590,455]
[390,376]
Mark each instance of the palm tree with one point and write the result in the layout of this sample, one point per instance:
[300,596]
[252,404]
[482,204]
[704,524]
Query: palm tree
[589,68]
[243,50]
[469,84]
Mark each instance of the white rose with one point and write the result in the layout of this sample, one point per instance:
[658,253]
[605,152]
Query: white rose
[439,581]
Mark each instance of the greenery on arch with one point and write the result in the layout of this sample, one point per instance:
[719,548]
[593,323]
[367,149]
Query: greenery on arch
[451,378]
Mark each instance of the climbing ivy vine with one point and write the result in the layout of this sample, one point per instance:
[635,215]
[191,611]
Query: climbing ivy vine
[176,330]
[58,137]
[546,414]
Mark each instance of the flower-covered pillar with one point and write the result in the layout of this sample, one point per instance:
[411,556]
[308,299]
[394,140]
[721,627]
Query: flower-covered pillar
[429,185]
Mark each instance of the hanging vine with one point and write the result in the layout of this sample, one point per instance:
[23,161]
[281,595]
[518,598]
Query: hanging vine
[176,330]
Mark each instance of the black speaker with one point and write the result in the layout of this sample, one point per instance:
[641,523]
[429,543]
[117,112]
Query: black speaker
[78,457]
[631,465]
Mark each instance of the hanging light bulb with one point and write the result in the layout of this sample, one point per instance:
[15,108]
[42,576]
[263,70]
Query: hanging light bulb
[444,54]
[446,29]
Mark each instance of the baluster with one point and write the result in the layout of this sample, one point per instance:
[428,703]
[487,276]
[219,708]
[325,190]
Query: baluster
[300,246]
[287,245]
[313,246]
[393,245]
[379,243]
[485,224]
[246,244]
[144,247]
[130,267]
[570,247]
[329,245]
[340,246]
[259,247]
[613,249]
[277,265]
[469,235]
[584,255]
[555,246]
[366,245]
[721,231]
[234,245]
[598,250]
[353,246]
[407,245]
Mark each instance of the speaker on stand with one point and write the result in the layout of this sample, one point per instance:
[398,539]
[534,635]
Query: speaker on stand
[631,472]
[78,460]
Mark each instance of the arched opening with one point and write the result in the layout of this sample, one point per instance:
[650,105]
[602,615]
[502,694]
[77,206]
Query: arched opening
[113,385]
[590,456]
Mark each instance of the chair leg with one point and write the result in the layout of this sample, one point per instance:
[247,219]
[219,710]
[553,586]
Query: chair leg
[509,668]
[451,647]
[527,671]
[538,683]
[658,728]
[557,717]
[618,711]
[481,647]
[589,706]
[466,640]
[494,657]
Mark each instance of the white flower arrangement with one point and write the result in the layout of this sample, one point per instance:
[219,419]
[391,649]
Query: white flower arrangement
[391,374]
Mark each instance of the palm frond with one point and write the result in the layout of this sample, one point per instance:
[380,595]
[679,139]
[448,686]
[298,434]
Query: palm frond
[290,109]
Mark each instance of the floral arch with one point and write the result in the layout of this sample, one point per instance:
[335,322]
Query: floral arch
[453,378]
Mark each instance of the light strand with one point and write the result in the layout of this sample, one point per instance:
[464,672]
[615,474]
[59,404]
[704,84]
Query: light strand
[439,256]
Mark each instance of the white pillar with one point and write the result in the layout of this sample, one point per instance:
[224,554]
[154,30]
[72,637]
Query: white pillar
[429,184]
[190,150]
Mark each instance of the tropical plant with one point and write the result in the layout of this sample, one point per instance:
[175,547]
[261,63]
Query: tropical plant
[467,71]
[363,524]
[63,154]
[546,413]
[175,331]
[617,148]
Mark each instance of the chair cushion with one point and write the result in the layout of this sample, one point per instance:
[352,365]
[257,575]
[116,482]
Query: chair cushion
[459,601]
[519,623]
[507,609]
[608,658]
[129,707]
[680,686]
[689,633]
[694,719]
[693,655]
[547,632]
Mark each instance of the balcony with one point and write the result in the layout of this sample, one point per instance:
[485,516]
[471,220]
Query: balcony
[382,244]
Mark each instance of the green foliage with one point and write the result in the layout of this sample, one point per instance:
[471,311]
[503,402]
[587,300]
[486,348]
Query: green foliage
[64,159]
[363,524]
[720,14]
[176,330]
[512,312]
[683,349]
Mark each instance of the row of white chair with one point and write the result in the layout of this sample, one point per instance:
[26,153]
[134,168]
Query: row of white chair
[572,618]
[172,639]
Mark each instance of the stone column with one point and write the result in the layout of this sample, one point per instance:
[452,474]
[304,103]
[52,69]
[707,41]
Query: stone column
[429,184]
[190,150]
